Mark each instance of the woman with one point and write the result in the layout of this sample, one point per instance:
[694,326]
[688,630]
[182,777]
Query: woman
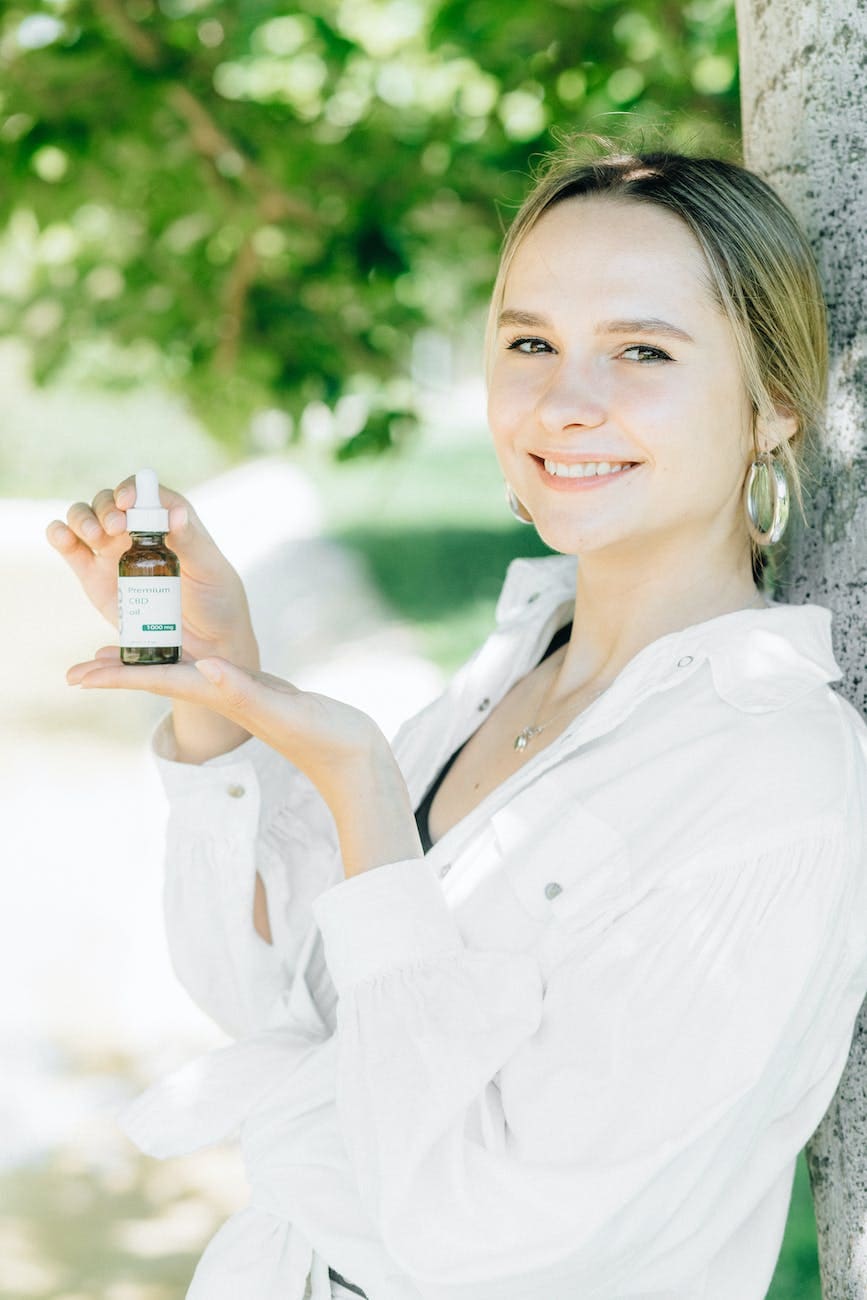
[563,1030]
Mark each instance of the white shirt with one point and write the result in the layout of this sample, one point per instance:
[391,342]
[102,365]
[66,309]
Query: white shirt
[575,1050]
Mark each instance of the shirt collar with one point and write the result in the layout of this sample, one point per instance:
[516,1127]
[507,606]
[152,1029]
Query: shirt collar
[760,659]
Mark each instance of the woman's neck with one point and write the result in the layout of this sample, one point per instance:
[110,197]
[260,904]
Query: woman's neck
[614,620]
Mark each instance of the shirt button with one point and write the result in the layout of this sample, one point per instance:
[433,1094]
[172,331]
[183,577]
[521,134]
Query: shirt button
[485,704]
[552,889]
[445,869]
[236,791]
[682,663]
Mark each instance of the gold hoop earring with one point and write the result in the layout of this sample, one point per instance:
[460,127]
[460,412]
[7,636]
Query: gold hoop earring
[766,481]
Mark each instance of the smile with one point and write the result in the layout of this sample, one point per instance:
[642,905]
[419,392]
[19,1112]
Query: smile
[582,476]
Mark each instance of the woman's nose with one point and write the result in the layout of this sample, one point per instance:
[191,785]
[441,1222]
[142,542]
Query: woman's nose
[572,396]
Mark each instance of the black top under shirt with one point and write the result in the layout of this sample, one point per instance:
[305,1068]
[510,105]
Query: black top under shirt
[560,637]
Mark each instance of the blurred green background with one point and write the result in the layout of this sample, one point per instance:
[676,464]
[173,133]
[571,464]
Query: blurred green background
[265,209]
[233,235]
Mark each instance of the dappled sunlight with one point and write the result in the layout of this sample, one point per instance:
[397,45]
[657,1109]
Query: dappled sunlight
[98,1219]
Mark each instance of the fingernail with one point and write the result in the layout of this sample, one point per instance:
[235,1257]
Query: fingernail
[124,495]
[91,529]
[209,670]
[183,519]
[114,518]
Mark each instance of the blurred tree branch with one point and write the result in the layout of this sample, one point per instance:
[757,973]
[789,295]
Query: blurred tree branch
[275,204]
[283,199]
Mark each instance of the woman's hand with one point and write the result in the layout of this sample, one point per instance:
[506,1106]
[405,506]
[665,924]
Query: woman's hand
[216,616]
[338,747]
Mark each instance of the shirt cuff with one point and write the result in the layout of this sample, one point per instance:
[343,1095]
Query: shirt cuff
[390,916]
[252,765]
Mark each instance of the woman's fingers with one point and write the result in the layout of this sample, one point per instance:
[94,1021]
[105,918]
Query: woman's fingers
[61,536]
[123,495]
[242,696]
[186,533]
[221,686]
[324,737]
[67,543]
[102,529]
[179,681]
[105,520]
[105,535]
[109,656]
[115,504]
[84,523]
[110,519]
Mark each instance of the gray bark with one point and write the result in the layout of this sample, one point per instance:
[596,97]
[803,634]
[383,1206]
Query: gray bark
[804,109]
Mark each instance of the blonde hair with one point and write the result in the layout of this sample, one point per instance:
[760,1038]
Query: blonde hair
[762,272]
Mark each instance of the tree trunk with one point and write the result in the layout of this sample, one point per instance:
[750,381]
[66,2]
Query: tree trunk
[804,109]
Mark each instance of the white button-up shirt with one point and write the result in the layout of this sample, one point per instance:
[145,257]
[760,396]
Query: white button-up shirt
[575,1049]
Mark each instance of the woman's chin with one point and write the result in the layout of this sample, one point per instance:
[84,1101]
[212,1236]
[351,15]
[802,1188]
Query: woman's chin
[563,536]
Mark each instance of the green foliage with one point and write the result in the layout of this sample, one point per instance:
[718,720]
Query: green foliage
[261,209]
[796,1276]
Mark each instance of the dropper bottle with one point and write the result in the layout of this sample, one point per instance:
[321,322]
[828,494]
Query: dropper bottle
[149,582]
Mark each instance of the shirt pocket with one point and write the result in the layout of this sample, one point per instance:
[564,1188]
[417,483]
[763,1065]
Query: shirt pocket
[567,868]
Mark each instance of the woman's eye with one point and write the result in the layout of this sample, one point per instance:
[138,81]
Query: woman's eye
[527,346]
[656,353]
[535,346]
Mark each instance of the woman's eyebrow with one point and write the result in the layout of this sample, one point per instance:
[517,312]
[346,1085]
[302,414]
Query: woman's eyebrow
[646,325]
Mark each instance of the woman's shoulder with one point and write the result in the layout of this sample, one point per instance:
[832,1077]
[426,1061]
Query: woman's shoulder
[728,785]
[802,700]
[817,744]
[758,746]
[777,774]
[776,671]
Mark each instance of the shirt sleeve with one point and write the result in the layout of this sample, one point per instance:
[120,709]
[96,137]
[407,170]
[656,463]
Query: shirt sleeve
[245,811]
[515,1136]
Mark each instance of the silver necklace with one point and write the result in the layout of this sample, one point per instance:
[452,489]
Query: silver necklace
[526,734]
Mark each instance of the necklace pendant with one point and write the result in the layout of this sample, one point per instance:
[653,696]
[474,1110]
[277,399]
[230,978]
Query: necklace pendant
[524,736]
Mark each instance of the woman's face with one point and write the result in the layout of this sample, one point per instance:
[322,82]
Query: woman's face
[581,373]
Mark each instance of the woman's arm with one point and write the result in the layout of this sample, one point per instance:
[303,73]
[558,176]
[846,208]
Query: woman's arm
[503,1136]
[249,826]
[640,1104]
[243,817]
[626,1116]
[313,794]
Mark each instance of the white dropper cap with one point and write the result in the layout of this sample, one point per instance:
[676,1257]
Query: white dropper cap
[147,515]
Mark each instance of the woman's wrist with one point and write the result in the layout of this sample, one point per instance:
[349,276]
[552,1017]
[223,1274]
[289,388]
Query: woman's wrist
[201,734]
[373,814]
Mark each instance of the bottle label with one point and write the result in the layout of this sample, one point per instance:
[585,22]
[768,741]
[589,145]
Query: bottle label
[149,611]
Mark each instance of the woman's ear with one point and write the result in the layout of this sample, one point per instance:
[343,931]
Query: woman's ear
[770,432]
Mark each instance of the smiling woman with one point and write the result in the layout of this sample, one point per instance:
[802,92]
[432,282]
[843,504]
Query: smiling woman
[752,259]
[516,1016]
[606,391]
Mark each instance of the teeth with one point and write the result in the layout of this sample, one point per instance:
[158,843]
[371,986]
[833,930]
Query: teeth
[586,470]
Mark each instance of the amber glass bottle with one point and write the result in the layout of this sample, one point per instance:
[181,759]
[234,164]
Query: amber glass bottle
[149,582]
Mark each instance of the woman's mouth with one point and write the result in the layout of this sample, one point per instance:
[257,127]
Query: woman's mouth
[584,475]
